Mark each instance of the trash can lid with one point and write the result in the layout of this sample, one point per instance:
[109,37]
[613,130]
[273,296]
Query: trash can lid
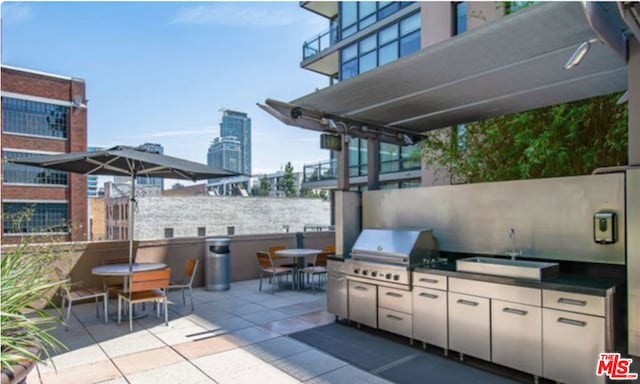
[218,241]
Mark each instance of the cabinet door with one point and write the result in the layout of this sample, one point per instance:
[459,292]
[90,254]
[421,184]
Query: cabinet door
[394,299]
[363,303]
[430,316]
[516,336]
[394,322]
[469,325]
[571,346]
[337,294]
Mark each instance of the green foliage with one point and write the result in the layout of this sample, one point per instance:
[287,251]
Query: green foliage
[562,140]
[288,181]
[313,194]
[29,276]
[265,187]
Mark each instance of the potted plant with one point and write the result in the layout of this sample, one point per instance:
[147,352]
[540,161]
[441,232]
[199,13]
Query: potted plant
[29,277]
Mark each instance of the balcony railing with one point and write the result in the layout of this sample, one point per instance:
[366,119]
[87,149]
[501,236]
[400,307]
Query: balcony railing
[319,43]
[324,170]
[327,170]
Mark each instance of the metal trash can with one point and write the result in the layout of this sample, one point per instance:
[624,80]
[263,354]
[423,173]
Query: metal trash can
[217,271]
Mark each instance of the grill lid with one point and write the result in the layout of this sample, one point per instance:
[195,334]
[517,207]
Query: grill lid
[398,246]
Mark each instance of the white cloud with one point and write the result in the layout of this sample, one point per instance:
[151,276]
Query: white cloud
[13,13]
[237,15]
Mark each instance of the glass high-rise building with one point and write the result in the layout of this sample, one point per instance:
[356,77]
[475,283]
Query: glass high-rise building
[238,125]
[225,153]
[92,180]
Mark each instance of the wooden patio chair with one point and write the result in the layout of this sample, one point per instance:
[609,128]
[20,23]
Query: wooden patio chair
[189,272]
[69,296]
[319,268]
[143,287]
[278,260]
[267,267]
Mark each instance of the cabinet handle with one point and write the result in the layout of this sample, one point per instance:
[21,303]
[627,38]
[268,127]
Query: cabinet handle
[429,295]
[392,317]
[393,294]
[336,278]
[515,311]
[468,302]
[577,323]
[580,303]
[359,288]
[430,281]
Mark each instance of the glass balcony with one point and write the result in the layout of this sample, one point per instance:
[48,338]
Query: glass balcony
[319,43]
[324,170]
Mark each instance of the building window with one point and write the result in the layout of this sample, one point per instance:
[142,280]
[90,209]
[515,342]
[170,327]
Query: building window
[25,174]
[34,118]
[397,40]
[168,232]
[358,15]
[394,158]
[461,17]
[35,217]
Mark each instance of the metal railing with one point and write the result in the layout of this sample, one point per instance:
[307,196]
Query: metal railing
[327,170]
[319,43]
[323,170]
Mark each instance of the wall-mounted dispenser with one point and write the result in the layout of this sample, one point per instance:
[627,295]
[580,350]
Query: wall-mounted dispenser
[604,227]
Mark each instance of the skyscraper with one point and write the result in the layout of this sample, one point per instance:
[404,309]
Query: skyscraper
[92,180]
[225,153]
[238,125]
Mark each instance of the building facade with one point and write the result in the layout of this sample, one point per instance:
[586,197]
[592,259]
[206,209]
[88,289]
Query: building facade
[226,153]
[92,180]
[42,113]
[238,125]
[365,35]
[144,180]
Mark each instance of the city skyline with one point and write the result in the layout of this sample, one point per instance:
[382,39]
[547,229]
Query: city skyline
[158,72]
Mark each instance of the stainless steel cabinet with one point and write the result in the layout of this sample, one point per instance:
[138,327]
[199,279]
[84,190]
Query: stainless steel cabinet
[516,336]
[395,322]
[394,299]
[363,303]
[469,325]
[571,346]
[430,316]
[337,289]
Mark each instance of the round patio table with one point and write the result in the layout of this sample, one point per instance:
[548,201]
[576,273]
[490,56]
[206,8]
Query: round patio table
[299,256]
[123,270]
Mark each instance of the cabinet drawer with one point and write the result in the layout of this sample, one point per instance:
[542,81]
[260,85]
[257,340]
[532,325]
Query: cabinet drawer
[362,303]
[469,325]
[394,299]
[523,295]
[395,322]
[574,302]
[427,280]
[571,346]
[430,316]
[516,336]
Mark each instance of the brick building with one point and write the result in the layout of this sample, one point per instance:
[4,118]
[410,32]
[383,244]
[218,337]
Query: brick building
[42,113]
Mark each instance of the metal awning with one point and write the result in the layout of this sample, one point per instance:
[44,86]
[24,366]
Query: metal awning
[510,65]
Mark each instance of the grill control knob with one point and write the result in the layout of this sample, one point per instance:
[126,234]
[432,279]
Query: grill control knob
[374,274]
[365,272]
[396,277]
[388,276]
[356,270]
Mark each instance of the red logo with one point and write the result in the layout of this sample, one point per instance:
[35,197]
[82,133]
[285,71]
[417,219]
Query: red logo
[614,366]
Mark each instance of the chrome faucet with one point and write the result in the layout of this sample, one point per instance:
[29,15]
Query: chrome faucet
[513,253]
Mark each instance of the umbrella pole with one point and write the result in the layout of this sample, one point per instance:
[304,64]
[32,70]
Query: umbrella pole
[131,211]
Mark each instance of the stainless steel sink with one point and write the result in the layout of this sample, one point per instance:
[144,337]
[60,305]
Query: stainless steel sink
[520,269]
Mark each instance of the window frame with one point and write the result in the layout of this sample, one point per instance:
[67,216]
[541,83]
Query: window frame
[17,111]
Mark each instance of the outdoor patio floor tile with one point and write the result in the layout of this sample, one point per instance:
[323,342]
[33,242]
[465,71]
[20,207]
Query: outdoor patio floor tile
[226,325]
[264,317]
[262,374]
[252,335]
[226,363]
[183,373]
[298,309]
[182,335]
[348,375]
[287,326]
[132,343]
[321,317]
[246,309]
[309,364]
[142,361]
[86,373]
[277,348]
[74,357]
[203,347]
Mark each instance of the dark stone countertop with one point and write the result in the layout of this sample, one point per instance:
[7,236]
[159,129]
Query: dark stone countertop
[574,283]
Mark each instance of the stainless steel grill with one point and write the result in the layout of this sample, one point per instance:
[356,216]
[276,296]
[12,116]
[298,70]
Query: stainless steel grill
[386,256]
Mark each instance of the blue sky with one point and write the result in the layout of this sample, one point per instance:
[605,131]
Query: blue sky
[160,71]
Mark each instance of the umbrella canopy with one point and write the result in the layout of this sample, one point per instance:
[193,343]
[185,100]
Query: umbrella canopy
[125,161]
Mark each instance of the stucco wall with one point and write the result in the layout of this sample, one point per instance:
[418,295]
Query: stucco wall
[249,215]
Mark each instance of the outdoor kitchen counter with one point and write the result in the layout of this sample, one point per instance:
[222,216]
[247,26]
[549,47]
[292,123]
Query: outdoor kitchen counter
[563,282]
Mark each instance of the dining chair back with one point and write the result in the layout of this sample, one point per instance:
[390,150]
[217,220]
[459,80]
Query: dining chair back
[275,258]
[330,248]
[267,267]
[113,283]
[146,286]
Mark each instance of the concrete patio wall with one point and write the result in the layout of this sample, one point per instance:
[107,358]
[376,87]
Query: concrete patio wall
[80,258]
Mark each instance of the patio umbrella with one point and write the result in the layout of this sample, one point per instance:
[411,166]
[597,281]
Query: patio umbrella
[125,161]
